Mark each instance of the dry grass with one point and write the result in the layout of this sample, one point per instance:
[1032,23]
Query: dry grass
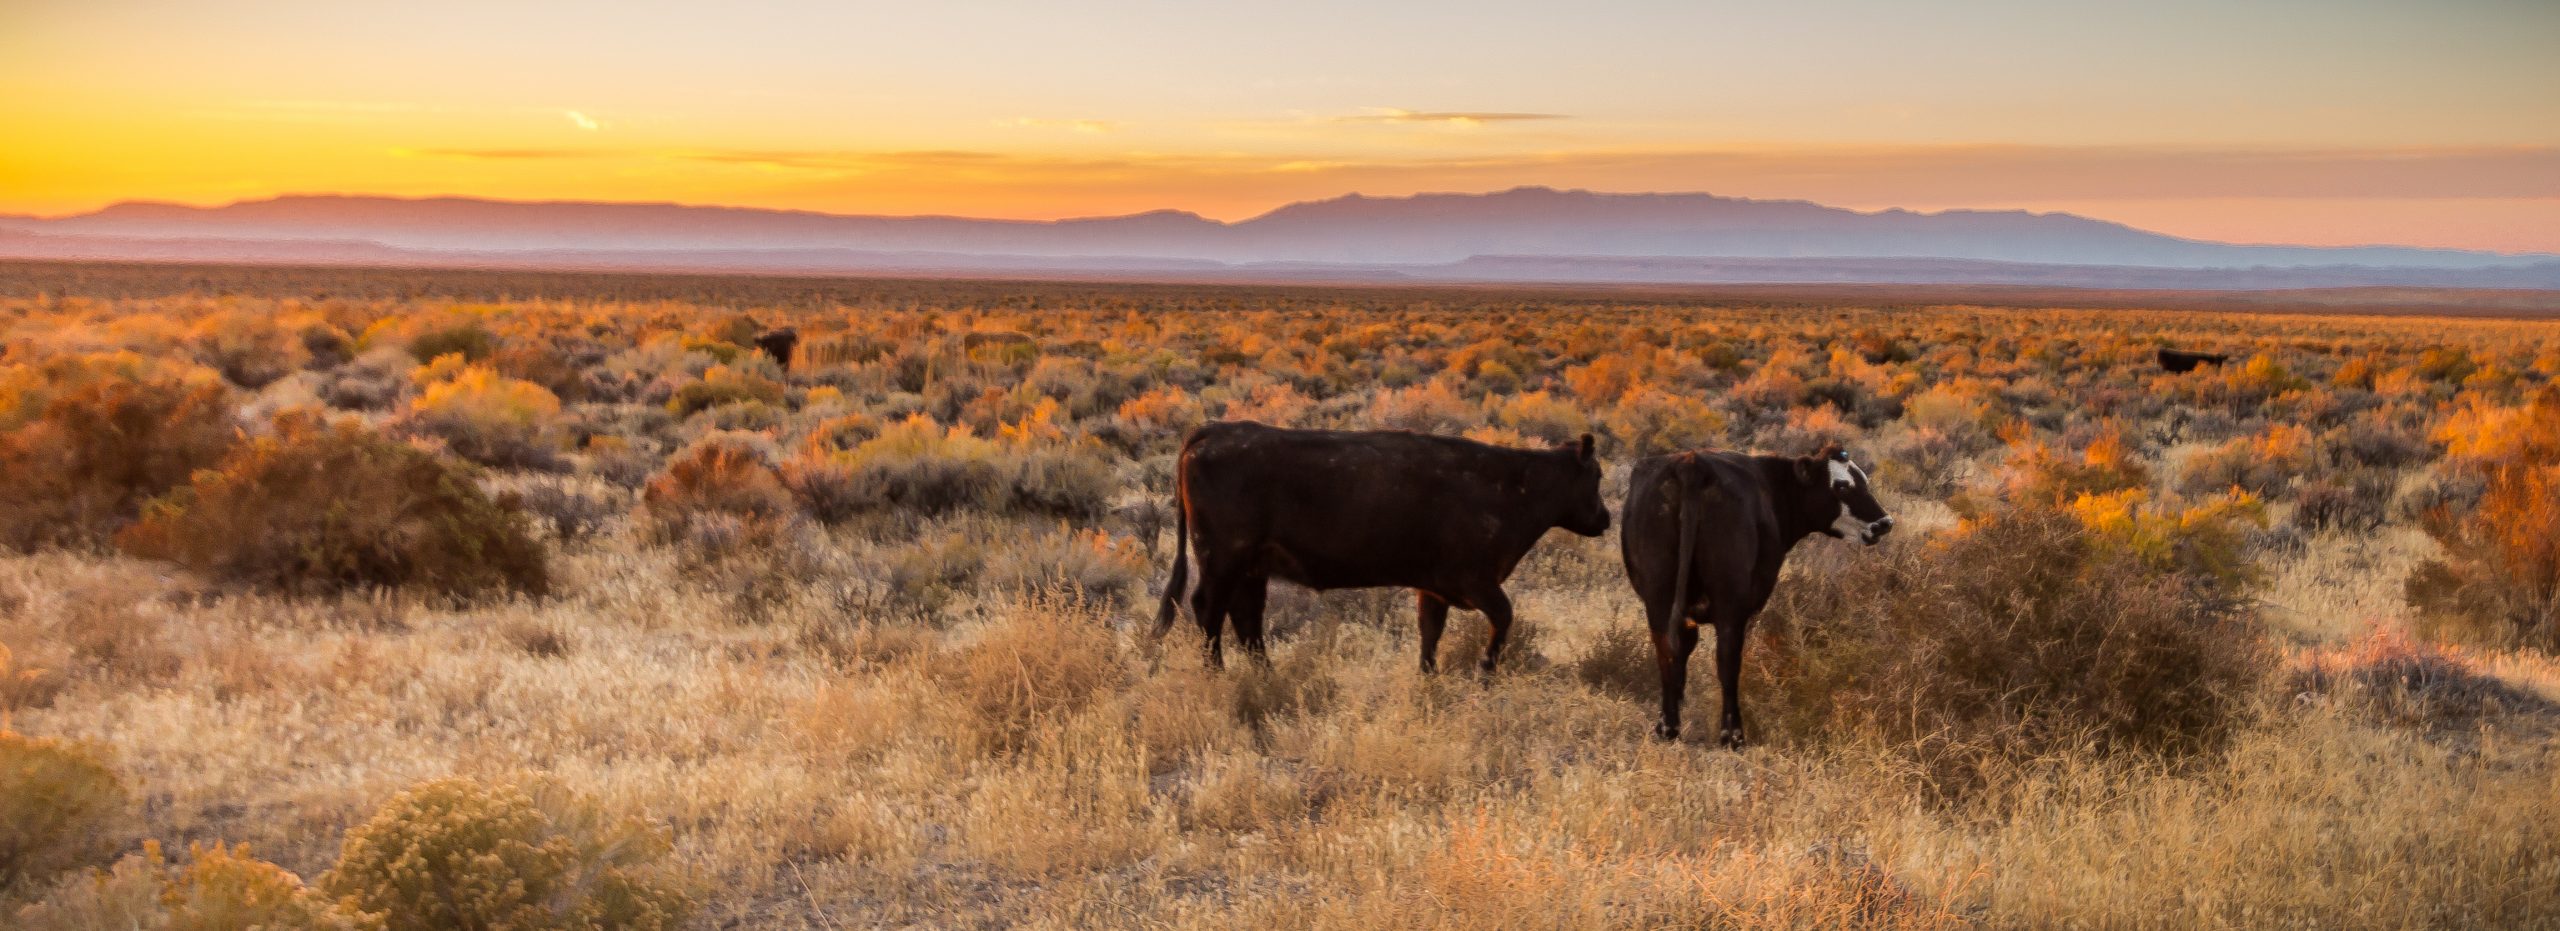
[907,719]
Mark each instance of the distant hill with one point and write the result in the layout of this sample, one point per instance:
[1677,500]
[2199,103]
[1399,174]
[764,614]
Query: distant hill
[1511,235]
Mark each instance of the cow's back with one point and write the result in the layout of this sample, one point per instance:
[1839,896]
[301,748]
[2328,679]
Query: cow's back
[1725,494]
[1341,509]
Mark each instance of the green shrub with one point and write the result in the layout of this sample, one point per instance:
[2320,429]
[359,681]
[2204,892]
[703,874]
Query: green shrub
[60,809]
[322,507]
[85,442]
[460,853]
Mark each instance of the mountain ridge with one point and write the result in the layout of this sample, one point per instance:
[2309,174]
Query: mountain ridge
[1521,226]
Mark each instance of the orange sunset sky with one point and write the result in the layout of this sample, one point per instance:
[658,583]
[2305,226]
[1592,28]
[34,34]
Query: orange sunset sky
[2326,123]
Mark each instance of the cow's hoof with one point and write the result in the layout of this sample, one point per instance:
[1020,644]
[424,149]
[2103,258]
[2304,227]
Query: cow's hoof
[1663,731]
[1730,739]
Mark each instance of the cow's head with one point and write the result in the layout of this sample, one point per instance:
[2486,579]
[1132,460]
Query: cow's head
[1851,504]
[1584,512]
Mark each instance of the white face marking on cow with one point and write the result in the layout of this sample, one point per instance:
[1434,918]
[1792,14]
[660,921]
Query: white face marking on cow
[1848,526]
[1843,475]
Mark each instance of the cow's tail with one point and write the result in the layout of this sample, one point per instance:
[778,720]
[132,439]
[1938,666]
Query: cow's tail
[1181,579]
[1691,507]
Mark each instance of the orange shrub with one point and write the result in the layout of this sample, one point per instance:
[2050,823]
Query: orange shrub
[2499,578]
[221,888]
[1161,412]
[1544,416]
[321,506]
[250,349]
[489,418]
[723,384]
[1431,407]
[2262,465]
[1649,421]
[2038,473]
[720,478]
[1603,380]
[84,442]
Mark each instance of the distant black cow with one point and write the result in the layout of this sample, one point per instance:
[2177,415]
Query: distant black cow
[1703,538]
[2182,362]
[778,344]
[1327,509]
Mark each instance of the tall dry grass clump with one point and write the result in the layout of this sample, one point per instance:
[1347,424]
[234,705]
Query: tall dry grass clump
[85,441]
[320,506]
[1040,662]
[461,853]
[2022,635]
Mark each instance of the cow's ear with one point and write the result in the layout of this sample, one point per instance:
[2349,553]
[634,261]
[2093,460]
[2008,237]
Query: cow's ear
[1586,447]
[1809,469]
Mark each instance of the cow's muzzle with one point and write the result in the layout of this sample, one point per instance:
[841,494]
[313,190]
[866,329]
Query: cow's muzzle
[1874,532]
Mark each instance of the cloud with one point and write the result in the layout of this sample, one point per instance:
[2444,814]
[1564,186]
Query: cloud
[1088,127]
[1448,117]
[509,155]
[582,121]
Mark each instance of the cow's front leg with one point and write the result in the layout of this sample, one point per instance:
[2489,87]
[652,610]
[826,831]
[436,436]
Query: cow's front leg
[1432,611]
[1497,612]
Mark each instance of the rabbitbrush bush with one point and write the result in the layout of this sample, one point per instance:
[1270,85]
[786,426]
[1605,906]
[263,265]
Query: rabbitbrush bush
[85,441]
[59,810]
[461,853]
[2498,581]
[320,506]
[489,418]
[220,889]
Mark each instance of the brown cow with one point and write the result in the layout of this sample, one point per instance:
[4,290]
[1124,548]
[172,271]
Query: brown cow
[1704,535]
[1446,517]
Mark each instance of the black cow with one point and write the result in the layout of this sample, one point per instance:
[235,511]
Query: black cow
[1703,538]
[2181,362]
[778,344]
[1446,517]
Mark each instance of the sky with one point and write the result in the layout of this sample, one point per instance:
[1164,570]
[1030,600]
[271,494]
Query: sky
[2325,123]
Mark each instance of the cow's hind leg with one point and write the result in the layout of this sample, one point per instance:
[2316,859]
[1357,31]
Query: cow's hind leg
[1433,613]
[1209,606]
[1497,612]
[1731,627]
[1673,640]
[1244,606]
